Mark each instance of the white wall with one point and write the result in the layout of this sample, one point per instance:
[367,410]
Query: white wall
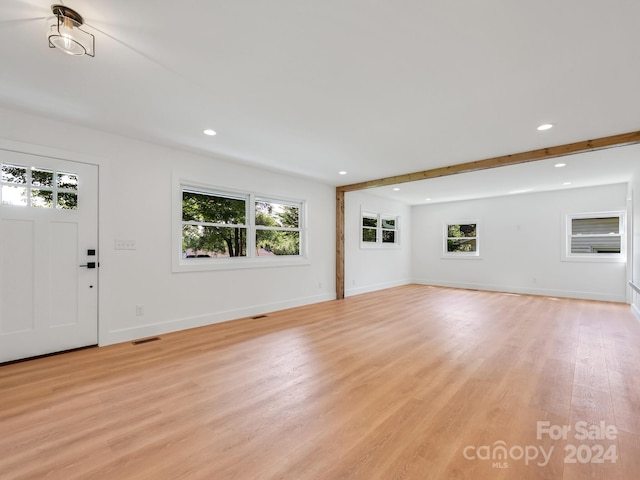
[135,204]
[635,262]
[370,269]
[521,241]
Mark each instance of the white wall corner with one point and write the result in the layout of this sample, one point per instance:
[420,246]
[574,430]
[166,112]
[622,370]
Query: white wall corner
[349,292]
[545,292]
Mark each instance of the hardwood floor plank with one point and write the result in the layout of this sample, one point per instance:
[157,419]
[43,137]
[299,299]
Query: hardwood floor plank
[395,384]
[623,357]
[629,447]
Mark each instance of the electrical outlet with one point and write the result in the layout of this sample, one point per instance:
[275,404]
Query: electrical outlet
[125,244]
[139,310]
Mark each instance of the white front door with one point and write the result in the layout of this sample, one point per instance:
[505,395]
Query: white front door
[48,242]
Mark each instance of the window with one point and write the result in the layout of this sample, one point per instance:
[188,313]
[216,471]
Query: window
[388,229]
[369,227]
[24,186]
[379,229]
[221,228]
[461,239]
[213,225]
[277,228]
[595,236]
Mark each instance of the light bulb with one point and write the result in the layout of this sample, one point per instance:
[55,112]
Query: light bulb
[65,33]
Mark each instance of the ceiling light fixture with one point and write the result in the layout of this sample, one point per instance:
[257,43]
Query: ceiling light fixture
[566,183]
[396,189]
[545,126]
[209,132]
[65,33]
[560,165]
[342,172]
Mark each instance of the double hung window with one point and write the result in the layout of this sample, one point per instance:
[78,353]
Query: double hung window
[377,229]
[595,236]
[213,224]
[236,228]
[461,239]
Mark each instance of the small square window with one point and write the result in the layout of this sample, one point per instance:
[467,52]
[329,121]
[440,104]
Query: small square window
[14,174]
[461,239]
[41,178]
[378,229]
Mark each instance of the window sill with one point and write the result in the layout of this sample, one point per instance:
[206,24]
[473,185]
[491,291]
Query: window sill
[208,264]
[594,259]
[379,246]
[460,257]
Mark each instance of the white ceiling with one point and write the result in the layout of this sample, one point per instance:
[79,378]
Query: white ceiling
[377,88]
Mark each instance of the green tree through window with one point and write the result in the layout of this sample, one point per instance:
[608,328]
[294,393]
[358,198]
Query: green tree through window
[213,225]
[462,238]
[37,187]
[277,229]
[217,224]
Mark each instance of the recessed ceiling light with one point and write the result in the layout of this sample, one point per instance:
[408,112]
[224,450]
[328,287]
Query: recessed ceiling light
[209,132]
[427,199]
[567,183]
[560,165]
[545,126]
[342,172]
[396,189]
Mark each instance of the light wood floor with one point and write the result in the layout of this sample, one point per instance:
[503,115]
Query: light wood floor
[397,384]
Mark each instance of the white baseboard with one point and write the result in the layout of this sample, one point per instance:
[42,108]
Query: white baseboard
[527,291]
[349,292]
[142,331]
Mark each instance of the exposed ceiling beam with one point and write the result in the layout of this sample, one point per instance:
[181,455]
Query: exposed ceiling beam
[503,161]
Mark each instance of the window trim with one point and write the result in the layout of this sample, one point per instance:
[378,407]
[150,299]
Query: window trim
[180,264]
[462,255]
[379,229]
[567,256]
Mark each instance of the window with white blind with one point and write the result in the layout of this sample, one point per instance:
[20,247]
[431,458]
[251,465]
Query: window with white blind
[595,236]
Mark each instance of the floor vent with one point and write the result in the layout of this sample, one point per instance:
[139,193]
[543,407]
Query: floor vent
[146,340]
[259,316]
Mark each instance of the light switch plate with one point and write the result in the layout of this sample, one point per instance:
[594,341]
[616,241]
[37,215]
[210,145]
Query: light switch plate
[125,244]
